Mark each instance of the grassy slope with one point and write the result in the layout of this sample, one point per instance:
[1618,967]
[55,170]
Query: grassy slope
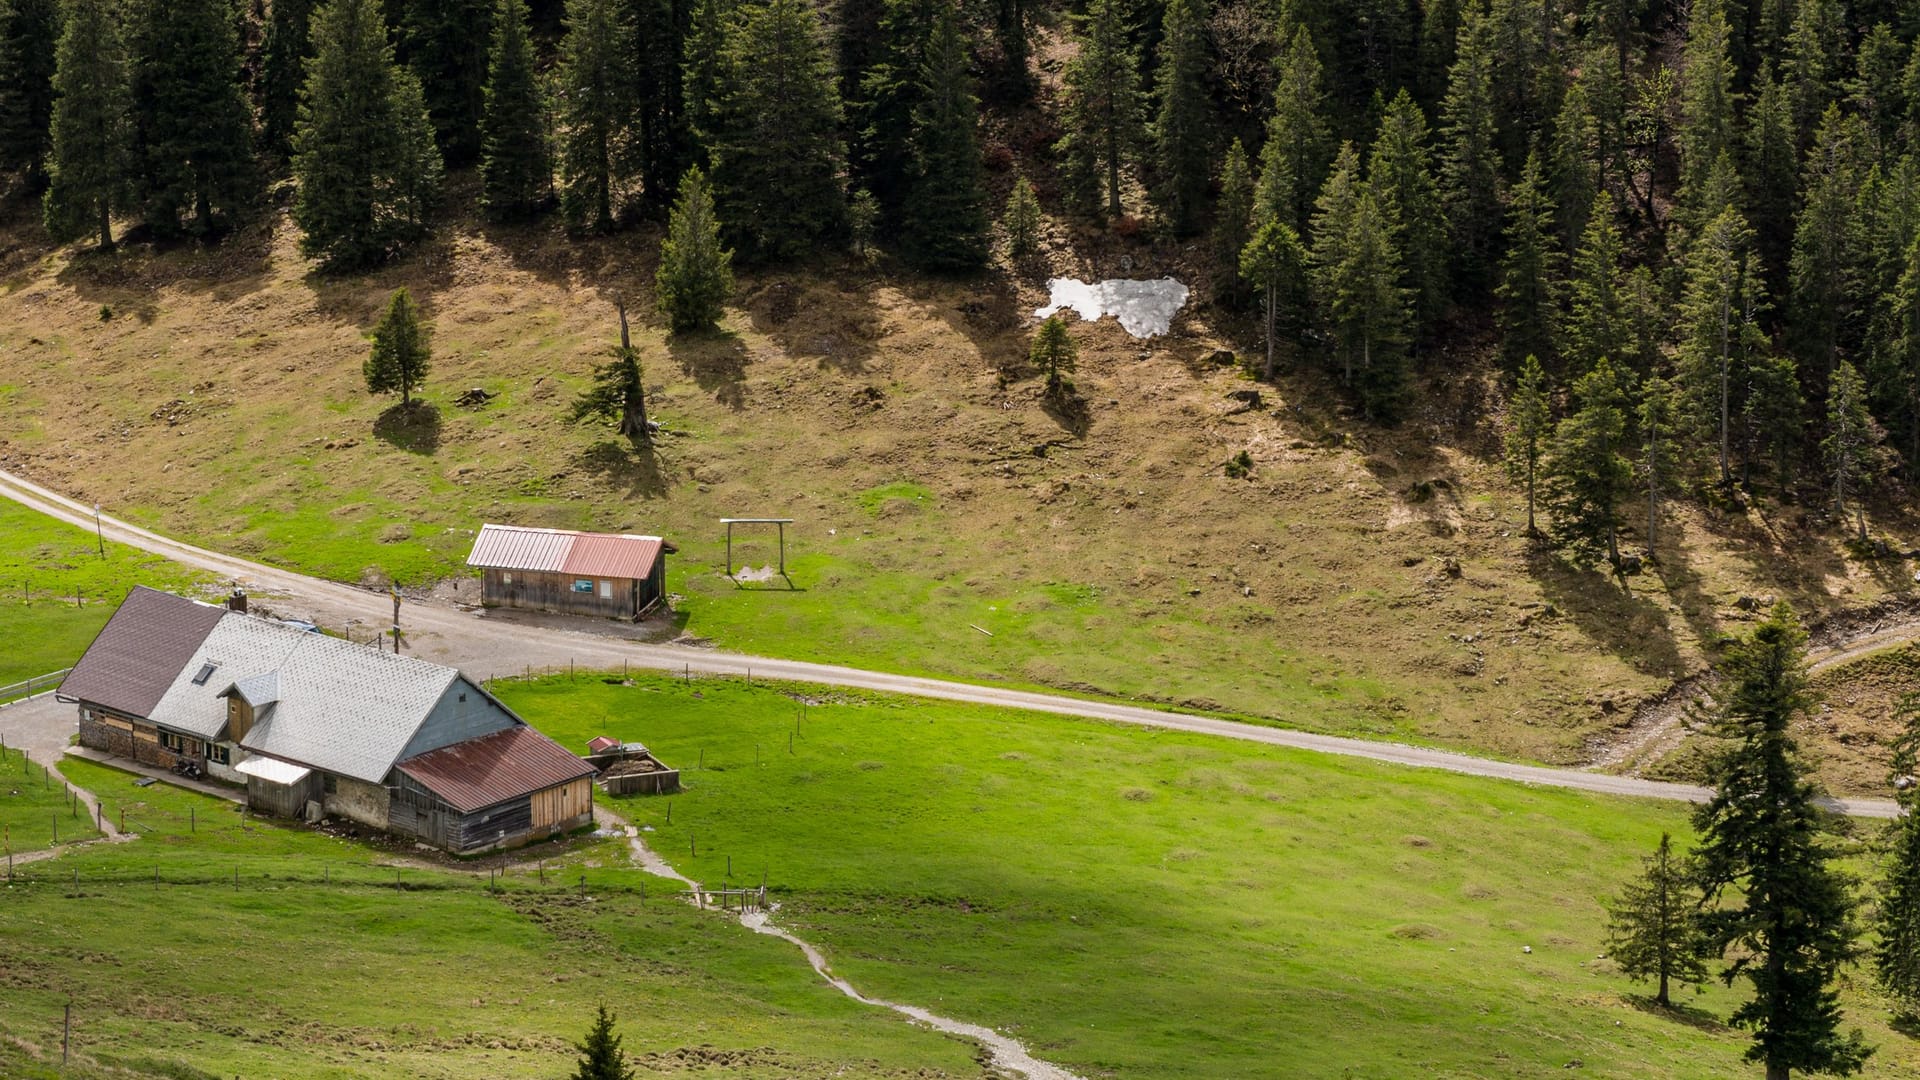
[221,402]
[34,809]
[284,976]
[1151,904]
[44,564]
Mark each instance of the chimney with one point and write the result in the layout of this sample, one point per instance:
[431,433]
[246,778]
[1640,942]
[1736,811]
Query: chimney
[238,601]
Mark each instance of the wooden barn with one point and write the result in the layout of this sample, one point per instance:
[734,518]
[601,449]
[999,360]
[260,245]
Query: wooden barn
[314,725]
[615,576]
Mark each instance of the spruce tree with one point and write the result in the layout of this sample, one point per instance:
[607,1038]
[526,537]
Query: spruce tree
[1299,145]
[600,1055]
[1587,473]
[1275,262]
[1012,82]
[1719,327]
[1876,92]
[1469,166]
[1529,275]
[776,152]
[29,36]
[1357,273]
[283,71]
[1103,120]
[1183,127]
[592,119]
[863,222]
[696,274]
[91,129]
[659,146]
[192,134]
[1707,99]
[1770,165]
[1401,176]
[1660,449]
[1852,445]
[892,90]
[1816,46]
[1896,955]
[1574,164]
[1764,861]
[1823,310]
[618,396]
[448,43]
[946,221]
[1232,227]
[516,171]
[401,353]
[1529,424]
[363,149]
[1054,353]
[702,72]
[1653,929]
[1596,324]
[1771,418]
[1021,222]
[1896,369]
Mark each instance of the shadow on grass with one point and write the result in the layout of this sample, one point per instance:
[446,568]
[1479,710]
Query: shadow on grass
[413,427]
[635,470]
[1631,627]
[716,361]
[1698,1019]
[831,320]
[1068,409]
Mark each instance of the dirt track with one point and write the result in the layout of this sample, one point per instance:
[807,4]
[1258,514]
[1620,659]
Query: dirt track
[485,648]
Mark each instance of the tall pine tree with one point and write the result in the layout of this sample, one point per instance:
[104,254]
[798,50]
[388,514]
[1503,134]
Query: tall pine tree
[1707,99]
[283,71]
[1402,177]
[1718,328]
[1103,121]
[1183,127]
[1896,956]
[777,155]
[192,134]
[660,147]
[1653,929]
[696,273]
[1469,165]
[1530,274]
[593,116]
[1823,310]
[1597,323]
[1299,146]
[946,215]
[1852,445]
[448,43]
[1357,272]
[516,172]
[363,150]
[1587,473]
[1232,227]
[891,92]
[29,35]
[91,127]
[1529,423]
[1773,899]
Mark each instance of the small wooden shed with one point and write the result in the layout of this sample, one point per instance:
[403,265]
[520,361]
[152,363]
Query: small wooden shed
[618,576]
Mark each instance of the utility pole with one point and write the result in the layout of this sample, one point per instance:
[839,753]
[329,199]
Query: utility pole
[395,589]
[98,534]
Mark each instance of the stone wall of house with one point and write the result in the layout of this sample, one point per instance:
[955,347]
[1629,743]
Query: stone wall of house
[358,801]
[122,737]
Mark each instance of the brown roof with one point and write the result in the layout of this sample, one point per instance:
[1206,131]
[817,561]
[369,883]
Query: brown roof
[561,551]
[140,652]
[494,768]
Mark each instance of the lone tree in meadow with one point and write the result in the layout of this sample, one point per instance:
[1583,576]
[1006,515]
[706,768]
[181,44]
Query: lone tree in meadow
[618,396]
[400,350]
[1653,928]
[1773,897]
[1896,957]
[600,1055]
[1054,353]
[696,273]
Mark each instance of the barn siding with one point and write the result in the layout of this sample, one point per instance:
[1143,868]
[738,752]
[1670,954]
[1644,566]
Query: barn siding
[453,720]
[419,813]
[537,591]
[284,800]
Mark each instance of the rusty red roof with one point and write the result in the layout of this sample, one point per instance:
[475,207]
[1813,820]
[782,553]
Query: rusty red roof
[139,653]
[492,769]
[602,742]
[601,555]
[559,551]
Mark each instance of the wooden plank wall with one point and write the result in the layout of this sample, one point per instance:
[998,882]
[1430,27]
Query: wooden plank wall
[557,805]
[554,592]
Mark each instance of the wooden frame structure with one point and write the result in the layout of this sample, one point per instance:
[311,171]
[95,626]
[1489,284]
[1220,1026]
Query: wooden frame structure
[781,522]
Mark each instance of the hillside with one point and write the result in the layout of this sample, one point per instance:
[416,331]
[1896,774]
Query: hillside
[216,394]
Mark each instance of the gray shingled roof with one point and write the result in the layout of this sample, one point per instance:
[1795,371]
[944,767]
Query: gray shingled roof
[343,708]
[238,647]
[135,658]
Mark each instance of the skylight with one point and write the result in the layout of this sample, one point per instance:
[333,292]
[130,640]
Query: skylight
[206,672]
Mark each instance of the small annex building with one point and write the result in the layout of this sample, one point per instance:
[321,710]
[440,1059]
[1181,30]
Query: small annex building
[616,576]
[308,721]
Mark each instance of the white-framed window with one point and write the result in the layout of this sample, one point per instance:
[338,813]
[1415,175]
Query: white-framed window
[178,743]
[219,755]
[606,590]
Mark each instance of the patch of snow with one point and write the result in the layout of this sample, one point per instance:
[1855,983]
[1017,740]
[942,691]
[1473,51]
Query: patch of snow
[1145,308]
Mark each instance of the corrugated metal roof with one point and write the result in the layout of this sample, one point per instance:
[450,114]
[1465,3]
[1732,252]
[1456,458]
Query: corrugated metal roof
[605,556]
[272,771]
[136,657]
[241,646]
[601,742]
[492,769]
[515,547]
[560,551]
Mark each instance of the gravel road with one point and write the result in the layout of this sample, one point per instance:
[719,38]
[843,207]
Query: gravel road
[484,648]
